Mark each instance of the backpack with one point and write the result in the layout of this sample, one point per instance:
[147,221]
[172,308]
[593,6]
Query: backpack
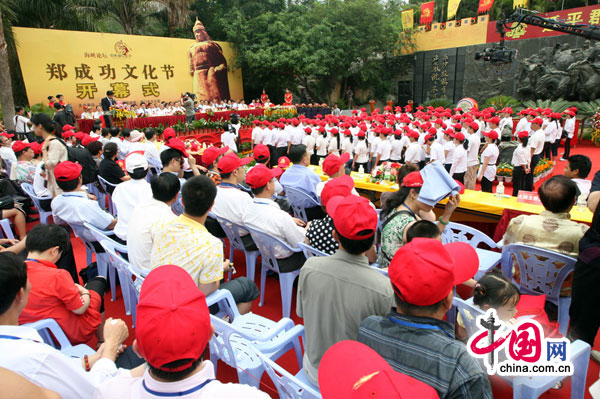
[82,156]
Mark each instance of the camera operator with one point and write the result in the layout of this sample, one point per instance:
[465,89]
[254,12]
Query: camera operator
[187,100]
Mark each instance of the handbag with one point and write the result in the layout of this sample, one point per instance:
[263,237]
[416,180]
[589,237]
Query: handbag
[6,202]
[565,134]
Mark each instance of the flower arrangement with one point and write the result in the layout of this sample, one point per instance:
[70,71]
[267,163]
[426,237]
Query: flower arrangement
[276,113]
[595,137]
[543,167]
[386,171]
[504,169]
[118,112]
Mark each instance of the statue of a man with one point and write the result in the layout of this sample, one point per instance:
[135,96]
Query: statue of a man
[208,66]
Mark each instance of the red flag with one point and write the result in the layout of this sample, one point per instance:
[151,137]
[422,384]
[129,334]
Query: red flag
[426,13]
[484,6]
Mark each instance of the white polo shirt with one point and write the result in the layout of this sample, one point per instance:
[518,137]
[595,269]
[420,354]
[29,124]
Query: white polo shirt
[231,203]
[257,134]
[126,197]
[473,151]
[200,385]
[413,153]
[75,208]
[142,221]
[536,141]
[385,148]
[25,353]
[266,216]
[436,152]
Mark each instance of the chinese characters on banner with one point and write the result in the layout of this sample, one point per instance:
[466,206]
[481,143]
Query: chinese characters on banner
[583,15]
[426,13]
[87,64]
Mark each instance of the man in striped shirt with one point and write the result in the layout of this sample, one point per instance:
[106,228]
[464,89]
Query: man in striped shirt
[415,340]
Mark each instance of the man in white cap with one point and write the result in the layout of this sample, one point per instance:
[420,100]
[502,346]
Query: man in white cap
[133,192]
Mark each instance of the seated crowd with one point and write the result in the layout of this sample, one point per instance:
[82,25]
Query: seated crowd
[376,302]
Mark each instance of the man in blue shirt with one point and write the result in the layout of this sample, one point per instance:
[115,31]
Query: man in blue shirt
[298,176]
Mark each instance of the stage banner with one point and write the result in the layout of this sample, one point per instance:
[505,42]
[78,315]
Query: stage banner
[408,19]
[426,13]
[582,15]
[484,6]
[452,8]
[84,65]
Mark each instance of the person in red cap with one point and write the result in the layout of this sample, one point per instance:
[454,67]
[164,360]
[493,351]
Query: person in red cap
[257,134]
[537,139]
[489,157]
[361,152]
[6,151]
[350,369]
[333,166]
[23,170]
[474,141]
[568,131]
[521,161]
[460,158]
[330,285]
[172,333]
[300,177]
[556,120]
[434,151]
[414,339]
[186,242]
[321,143]
[265,215]
[231,201]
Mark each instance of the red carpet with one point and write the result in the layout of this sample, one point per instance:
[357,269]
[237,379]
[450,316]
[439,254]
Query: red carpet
[272,310]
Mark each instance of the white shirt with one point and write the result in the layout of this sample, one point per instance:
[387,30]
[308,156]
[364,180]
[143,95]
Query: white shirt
[584,185]
[21,124]
[521,156]
[413,153]
[375,142]
[536,141]
[492,152]
[280,138]
[151,150]
[8,154]
[322,144]
[347,145]
[309,141]
[228,139]
[436,153]
[126,197]
[267,136]
[231,203]
[362,151]
[117,141]
[333,148]
[570,127]
[296,135]
[396,149]
[266,216]
[523,125]
[459,164]
[38,182]
[139,230]
[473,152]
[75,208]
[29,356]
[550,132]
[126,386]
[385,148]
[257,134]
[450,147]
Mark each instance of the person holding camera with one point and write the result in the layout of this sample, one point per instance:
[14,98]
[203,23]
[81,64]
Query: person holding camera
[188,103]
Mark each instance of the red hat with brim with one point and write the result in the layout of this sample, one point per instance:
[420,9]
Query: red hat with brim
[339,187]
[333,163]
[67,171]
[88,139]
[20,146]
[231,162]
[178,145]
[353,217]
[168,133]
[350,369]
[491,134]
[211,154]
[260,175]
[424,271]
[261,152]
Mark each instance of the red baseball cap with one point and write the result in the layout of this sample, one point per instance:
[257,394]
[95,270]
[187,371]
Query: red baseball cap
[20,146]
[178,145]
[211,154]
[491,134]
[413,133]
[457,126]
[172,321]
[67,127]
[339,187]
[350,369]
[424,271]
[67,134]
[495,120]
[168,133]
[333,131]
[459,136]
[523,134]
[283,162]
[474,126]
[231,162]
[353,216]
[413,179]
[260,175]
[361,133]
[307,130]
[430,137]
[36,147]
[261,152]
[88,139]
[80,135]
[333,163]
[537,121]
[67,171]
[7,135]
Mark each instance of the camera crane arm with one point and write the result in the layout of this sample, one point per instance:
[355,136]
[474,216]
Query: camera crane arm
[521,16]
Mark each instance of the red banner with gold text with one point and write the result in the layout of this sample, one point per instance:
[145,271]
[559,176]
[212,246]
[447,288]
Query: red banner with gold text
[484,6]
[426,13]
[583,15]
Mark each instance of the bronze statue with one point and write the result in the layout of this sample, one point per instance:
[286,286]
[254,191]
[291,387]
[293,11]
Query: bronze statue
[208,66]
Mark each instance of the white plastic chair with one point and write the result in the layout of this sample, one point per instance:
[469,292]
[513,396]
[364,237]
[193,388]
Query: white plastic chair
[266,245]
[299,201]
[154,168]
[528,387]
[233,342]
[235,242]
[289,386]
[542,272]
[101,197]
[49,328]
[105,184]
[456,232]
[28,188]
[310,251]
[6,229]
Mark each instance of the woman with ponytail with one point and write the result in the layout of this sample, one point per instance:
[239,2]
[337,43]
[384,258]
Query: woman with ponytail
[53,149]
[459,164]
[521,161]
